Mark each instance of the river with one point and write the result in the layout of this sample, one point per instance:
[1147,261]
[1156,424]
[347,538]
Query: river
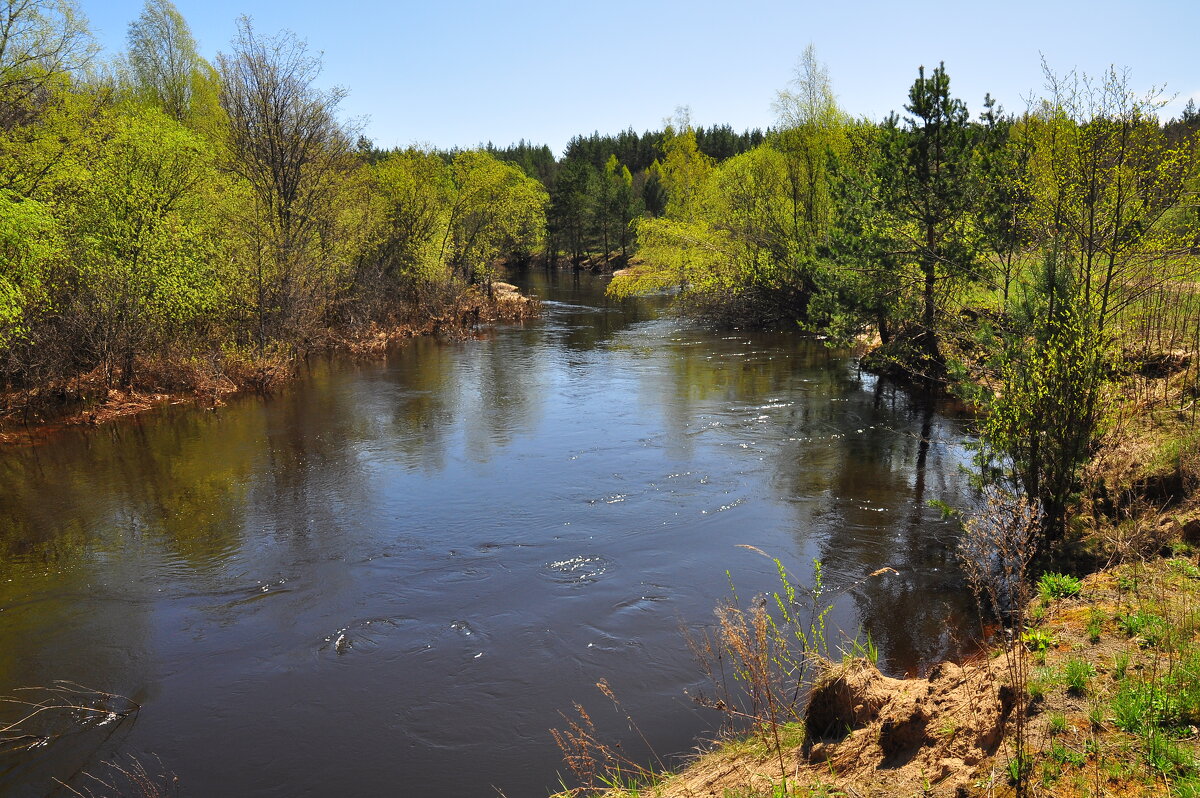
[389,578]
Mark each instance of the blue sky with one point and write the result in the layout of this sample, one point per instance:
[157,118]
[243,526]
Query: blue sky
[457,73]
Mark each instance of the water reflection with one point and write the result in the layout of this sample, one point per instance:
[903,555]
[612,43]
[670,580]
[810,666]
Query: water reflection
[414,563]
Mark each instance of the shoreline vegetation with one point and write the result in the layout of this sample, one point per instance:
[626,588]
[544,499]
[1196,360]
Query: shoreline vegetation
[30,415]
[170,225]
[1045,268]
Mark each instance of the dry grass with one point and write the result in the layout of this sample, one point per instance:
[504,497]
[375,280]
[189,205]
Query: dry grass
[130,778]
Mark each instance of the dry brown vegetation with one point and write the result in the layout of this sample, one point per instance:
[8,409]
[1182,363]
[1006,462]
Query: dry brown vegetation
[91,399]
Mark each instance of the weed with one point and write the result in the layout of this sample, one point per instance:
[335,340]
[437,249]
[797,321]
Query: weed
[1150,628]
[1120,665]
[861,649]
[1077,674]
[1037,639]
[1167,756]
[1018,768]
[995,550]
[1186,787]
[1057,723]
[1052,586]
[1130,707]
[1042,682]
[1094,625]
[1061,752]
[1185,568]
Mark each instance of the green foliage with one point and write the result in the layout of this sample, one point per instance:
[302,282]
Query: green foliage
[1055,586]
[1041,427]
[928,192]
[175,213]
[1019,768]
[144,239]
[1037,639]
[166,69]
[495,210]
[413,194]
[860,648]
[747,236]
[1151,628]
[1120,665]
[1167,756]
[1064,754]
[1077,673]
[43,43]
[1095,625]
[29,245]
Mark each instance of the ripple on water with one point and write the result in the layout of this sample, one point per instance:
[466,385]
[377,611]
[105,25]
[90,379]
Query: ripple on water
[579,570]
[360,635]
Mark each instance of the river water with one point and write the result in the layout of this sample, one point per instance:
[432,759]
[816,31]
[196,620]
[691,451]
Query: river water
[389,578]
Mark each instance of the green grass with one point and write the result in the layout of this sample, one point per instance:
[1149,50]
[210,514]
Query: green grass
[1042,682]
[1150,627]
[1077,674]
[1185,568]
[1120,665]
[1095,625]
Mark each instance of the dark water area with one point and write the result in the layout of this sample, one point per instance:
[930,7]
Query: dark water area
[389,578]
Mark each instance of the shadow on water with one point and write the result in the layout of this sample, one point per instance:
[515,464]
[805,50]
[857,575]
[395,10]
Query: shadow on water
[397,572]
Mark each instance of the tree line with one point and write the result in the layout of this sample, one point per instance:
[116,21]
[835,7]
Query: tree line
[160,213]
[602,184]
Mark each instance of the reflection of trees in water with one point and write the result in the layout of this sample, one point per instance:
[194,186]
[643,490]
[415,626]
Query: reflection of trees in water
[597,318]
[89,520]
[169,478]
[743,370]
[864,495]
[424,407]
[500,388]
[313,474]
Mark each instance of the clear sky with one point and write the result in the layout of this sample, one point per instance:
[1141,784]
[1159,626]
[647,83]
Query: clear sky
[456,73]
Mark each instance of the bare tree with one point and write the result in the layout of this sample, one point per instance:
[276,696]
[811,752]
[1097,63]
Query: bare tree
[293,152]
[41,42]
[163,57]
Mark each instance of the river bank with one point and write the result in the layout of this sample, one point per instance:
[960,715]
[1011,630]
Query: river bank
[208,380]
[1104,673]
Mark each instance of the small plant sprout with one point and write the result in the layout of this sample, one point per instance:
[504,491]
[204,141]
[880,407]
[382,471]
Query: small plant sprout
[1037,639]
[1095,625]
[1057,586]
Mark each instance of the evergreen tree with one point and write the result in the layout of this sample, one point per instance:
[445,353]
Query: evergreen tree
[929,192]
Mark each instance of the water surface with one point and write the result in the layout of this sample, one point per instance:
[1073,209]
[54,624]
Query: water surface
[389,578]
